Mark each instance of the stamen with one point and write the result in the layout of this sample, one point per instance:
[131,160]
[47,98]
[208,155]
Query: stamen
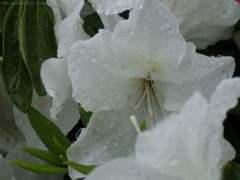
[154,108]
[134,122]
[145,92]
[159,100]
[130,96]
[149,102]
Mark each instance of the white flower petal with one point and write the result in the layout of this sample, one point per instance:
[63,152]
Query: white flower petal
[102,89]
[188,145]
[9,133]
[57,83]
[192,142]
[127,169]
[110,21]
[148,41]
[54,71]
[70,31]
[205,22]
[5,170]
[67,118]
[195,72]
[110,134]
[112,6]
[68,6]
[56,13]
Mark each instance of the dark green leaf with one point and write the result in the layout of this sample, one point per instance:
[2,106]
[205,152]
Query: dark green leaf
[231,171]
[46,130]
[237,26]
[94,21]
[38,168]
[44,155]
[143,126]
[85,115]
[80,167]
[37,39]
[60,148]
[235,110]
[14,71]
[230,135]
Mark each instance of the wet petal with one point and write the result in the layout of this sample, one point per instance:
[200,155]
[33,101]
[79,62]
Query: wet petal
[142,49]
[113,6]
[103,89]
[192,141]
[110,134]
[127,169]
[5,170]
[57,83]
[195,72]
[205,22]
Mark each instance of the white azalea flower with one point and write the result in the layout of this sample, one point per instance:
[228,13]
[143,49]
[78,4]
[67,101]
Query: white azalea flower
[185,146]
[205,22]
[9,133]
[137,70]
[202,22]
[113,6]
[54,70]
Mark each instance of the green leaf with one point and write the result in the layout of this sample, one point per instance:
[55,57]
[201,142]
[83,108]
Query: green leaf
[60,148]
[46,130]
[235,110]
[44,155]
[93,21]
[85,116]
[37,39]
[39,168]
[237,26]
[63,158]
[231,171]
[85,169]
[14,71]
[231,136]
[143,126]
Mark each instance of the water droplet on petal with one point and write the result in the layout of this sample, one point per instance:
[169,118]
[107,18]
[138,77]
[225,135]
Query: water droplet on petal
[95,136]
[98,129]
[110,123]
[86,153]
[115,144]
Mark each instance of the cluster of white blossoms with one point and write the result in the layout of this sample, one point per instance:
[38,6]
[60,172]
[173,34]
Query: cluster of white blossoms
[146,66]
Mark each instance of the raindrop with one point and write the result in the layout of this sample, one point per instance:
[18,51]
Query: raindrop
[105,155]
[86,153]
[98,129]
[110,123]
[95,136]
[78,133]
[104,147]
[223,71]
[115,144]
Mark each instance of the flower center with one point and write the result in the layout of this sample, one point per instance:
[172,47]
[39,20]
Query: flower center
[150,99]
